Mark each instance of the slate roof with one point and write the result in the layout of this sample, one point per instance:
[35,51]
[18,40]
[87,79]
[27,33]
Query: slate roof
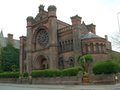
[90,35]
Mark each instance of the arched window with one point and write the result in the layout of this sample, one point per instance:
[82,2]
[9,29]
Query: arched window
[71,45]
[61,63]
[91,48]
[97,48]
[63,46]
[68,45]
[71,62]
[60,47]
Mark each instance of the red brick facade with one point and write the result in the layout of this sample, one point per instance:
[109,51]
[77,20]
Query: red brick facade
[51,43]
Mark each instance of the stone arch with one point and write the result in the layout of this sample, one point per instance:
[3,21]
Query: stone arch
[40,62]
[36,32]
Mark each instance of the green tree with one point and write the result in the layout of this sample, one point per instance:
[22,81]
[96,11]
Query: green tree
[9,58]
[85,61]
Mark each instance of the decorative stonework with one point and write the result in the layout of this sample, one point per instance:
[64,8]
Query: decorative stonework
[42,38]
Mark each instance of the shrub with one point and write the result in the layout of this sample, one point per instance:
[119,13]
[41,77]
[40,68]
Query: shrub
[9,75]
[55,72]
[106,67]
[45,73]
[70,71]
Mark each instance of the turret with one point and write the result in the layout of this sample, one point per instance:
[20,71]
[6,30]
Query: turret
[51,11]
[29,21]
[76,20]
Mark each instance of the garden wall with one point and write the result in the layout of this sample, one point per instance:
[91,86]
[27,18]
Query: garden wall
[57,80]
[103,79]
[73,80]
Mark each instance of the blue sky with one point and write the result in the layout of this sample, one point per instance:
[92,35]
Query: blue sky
[103,13]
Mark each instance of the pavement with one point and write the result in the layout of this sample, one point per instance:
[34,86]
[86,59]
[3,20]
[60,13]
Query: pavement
[58,87]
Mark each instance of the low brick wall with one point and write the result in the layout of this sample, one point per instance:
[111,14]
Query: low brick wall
[73,80]
[9,80]
[103,79]
[57,80]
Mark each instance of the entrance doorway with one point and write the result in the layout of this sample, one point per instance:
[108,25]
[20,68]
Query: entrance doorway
[40,63]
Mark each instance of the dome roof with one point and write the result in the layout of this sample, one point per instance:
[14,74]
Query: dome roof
[90,35]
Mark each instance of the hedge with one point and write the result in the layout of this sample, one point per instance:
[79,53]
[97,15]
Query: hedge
[106,67]
[43,73]
[56,72]
[9,75]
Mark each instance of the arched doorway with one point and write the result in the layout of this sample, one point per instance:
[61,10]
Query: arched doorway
[40,63]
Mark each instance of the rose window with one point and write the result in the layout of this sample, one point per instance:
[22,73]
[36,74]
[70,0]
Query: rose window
[42,38]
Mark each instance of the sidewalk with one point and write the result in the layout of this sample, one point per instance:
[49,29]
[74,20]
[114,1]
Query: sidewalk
[66,87]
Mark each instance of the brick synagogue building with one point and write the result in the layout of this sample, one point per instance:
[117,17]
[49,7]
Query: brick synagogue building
[52,43]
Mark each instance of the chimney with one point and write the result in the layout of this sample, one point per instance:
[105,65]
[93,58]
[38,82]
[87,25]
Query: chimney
[106,37]
[10,38]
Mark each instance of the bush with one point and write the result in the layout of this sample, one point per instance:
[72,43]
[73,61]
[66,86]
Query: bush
[106,67]
[45,73]
[70,71]
[55,72]
[9,75]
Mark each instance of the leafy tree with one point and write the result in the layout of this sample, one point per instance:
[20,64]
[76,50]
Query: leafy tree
[85,61]
[106,67]
[9,58]
[113,55]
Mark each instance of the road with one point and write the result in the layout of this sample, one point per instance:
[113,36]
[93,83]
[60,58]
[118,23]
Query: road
[58,87]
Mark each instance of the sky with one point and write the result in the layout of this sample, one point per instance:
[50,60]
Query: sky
[103,13]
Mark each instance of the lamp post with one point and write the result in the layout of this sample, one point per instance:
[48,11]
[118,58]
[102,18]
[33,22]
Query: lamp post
[118,21]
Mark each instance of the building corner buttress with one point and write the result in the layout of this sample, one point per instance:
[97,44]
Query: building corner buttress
[53,49]
[29,44]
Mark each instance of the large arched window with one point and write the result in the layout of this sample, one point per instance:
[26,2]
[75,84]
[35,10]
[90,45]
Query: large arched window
[61,63]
